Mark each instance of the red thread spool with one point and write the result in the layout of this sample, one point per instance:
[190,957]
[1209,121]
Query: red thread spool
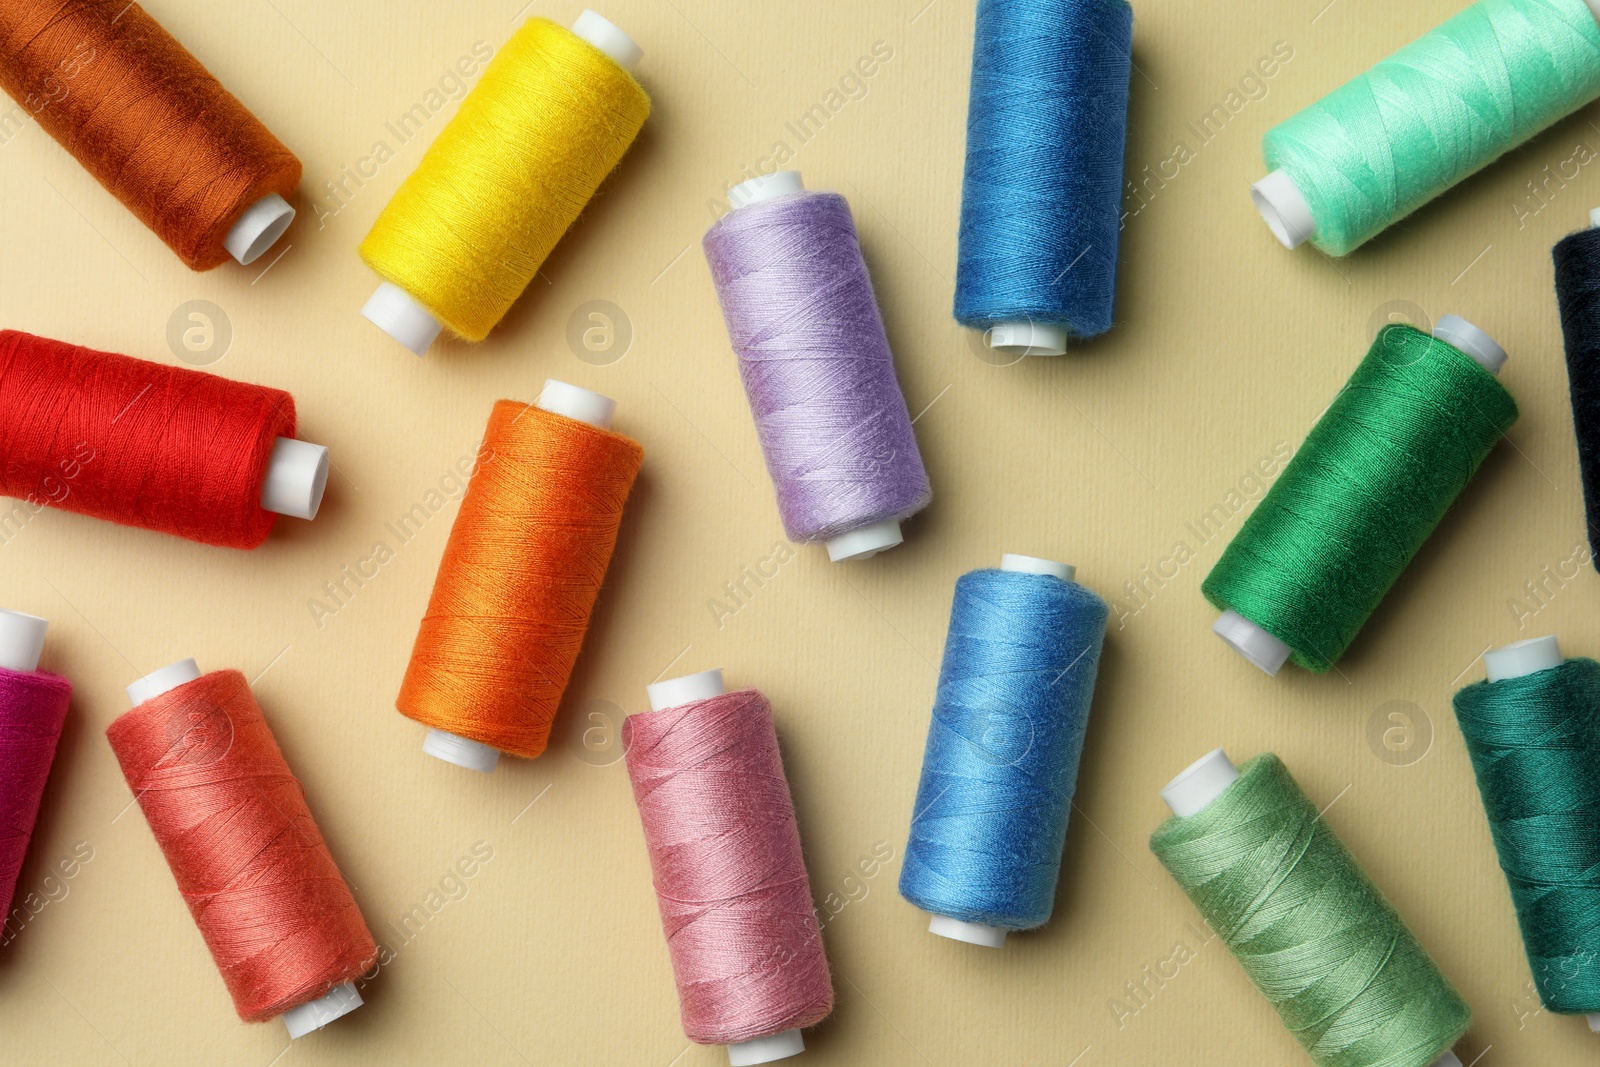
[144,444]
[232,820]
[151,124]
[33,709]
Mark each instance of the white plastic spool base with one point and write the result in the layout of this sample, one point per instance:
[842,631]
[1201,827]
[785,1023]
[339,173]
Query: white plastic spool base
[577,403]
[1457,331]
[765,187]
[462,751]
[258,229]
[1027,338]
[1522,658]
[1284,208]
[1010,561]
[981,934]
[21,640]
[167,678]
[313,1015]
[604,35]
[675,692]
[766,1049]
[1251,641]
[1449,1059]
[297,476]
[1203,781]
[865,542]
[1594,212]
[402,316]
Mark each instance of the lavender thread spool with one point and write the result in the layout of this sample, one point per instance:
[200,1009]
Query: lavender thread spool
[816,365]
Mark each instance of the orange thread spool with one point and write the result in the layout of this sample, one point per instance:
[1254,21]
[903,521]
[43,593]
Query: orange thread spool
[149,122]
[520,574]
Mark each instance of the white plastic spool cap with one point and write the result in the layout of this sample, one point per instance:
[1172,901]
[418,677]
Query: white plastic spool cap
[462,751]
[297,474]
[258,229]
[865,542]
[402,316]
[21,640]
[1457,331]
[981,934]
[675,692]
[1450,1059]
[576,403]
[1010,561]
[604,35]
[766,1049]
[1028,338]
[1251,641]
[1594,213]
[157,682]
[313,1015]
[1523,657]
[1284,208]
[1200,783]
[765,187]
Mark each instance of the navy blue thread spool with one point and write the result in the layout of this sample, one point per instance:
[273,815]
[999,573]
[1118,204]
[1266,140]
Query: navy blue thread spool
[1004,743]
[1041,198]
[1577,262]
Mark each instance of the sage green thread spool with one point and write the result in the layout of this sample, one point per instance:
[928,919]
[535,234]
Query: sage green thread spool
[1316,937]
[1444,106]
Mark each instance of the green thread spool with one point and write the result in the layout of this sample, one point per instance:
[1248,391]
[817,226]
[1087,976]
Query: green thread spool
[1533,731]
[1369,484]
[1449,103]
[1314,934]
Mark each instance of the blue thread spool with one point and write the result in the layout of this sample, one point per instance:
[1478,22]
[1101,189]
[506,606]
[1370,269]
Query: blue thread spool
[1001,763]
[1041,200]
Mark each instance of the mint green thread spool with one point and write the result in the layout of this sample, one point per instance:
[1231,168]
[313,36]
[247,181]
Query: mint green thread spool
[1314,934]
[1449,103]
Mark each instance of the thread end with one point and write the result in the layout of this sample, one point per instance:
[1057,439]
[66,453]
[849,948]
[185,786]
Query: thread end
[981,934]
[1284,209]
[21,640]
[766,1049]
[313,1015]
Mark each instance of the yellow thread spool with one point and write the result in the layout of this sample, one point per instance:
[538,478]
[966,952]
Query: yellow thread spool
[466,232]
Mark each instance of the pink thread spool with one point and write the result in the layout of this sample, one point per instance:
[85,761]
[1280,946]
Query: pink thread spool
[33,709]
[729,874]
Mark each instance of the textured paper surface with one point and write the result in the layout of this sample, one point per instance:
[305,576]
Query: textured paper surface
[1134,459]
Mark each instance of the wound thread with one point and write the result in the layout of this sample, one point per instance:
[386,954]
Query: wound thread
[520,574]
[144,117]
[1317,938]
[468,230]
[1577,262]
[729,874]
[33,710]
[1369,484]
[141,444]
[232,821]
[816,365]
[1535,747]
[1041,199]
[1004,744]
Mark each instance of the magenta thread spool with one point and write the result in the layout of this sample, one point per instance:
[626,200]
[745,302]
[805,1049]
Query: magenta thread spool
[33,710]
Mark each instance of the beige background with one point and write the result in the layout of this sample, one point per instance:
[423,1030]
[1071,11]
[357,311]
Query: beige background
[1227,346]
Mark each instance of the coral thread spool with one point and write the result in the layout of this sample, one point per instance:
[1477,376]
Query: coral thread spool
[1428,1006]
[165,447]
[509,607]
[744,939]
[1252,638]
[1534,761]
[204,731]
[111,86]
[449,278]
[816,366]
[33,710]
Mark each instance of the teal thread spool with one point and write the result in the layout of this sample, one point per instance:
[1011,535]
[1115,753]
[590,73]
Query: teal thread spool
[1316,937]
[1366,488]
[1533,731]
[1449,103]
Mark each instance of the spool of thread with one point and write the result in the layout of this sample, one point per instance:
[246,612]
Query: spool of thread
[1314,934]
[1533,731]
[151,124]
[33,709]
[816,365]
[232,821]
[1004,744]
[143,444]
[467,231]
[1577,260]
[1446,105]
[1369,484]
[519,577]
[1041,200]
[729,874]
